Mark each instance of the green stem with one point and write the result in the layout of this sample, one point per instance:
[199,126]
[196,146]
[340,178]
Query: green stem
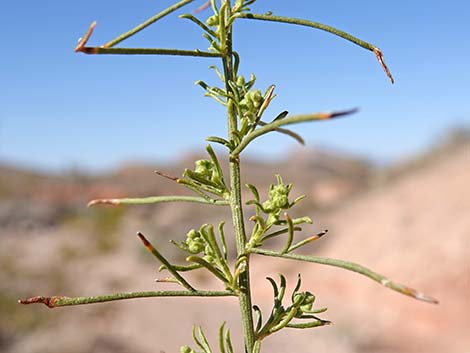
[286,121]
[351,266]
[149,51]
[290,133]
[200,261]
[57,301]
[157,199]
[312,24]
[147,23]
[297,21]
[236,204]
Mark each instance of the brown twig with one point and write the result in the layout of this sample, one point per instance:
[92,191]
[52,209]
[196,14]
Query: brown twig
[82,41]
[380,58]
[49,301]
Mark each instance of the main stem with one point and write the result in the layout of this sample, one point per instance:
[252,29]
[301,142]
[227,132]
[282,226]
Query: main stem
[237,211]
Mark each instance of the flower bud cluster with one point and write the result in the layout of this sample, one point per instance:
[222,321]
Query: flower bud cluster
[250,105]
[301,308]
[304,301]
[196,244]
[278,198]
[205,169]
[213,20]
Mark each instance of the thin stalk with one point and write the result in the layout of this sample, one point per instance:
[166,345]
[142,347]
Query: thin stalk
[351,266]
[57,301]
[236,204]
[147,23]
[148,51]
[326,28]
[286,121]
[156,199]
[290,133]
[307,23]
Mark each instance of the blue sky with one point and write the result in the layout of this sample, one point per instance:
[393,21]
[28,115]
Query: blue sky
[59,109]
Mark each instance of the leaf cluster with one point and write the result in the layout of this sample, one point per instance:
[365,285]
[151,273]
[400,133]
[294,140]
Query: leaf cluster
[301,308]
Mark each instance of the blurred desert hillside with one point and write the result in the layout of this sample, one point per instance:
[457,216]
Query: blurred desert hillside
[409,221]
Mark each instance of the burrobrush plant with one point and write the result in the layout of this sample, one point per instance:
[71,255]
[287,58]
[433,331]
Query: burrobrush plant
[206,248]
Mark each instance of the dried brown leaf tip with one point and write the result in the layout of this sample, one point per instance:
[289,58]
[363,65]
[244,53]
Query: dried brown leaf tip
[408,291]
[48,301]
[145,242]
[113,202]
[166,280]
[380,58]
[318,235]
[166,175]
[82,41]
[338,114]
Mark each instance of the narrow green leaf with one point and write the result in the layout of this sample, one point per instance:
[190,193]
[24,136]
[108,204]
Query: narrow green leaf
[222,239]
[297,287]
[287,121]
[205,343]
[351,266]
[274,285]
[221,338]
[57,301]
[290,234]
[281,115]
[207,265]
[157,199]
[326,28]
[312,324]
[259,318]
[215,160]
[164,261]
[254,191]
[200,24]
[228,341]
[219,140]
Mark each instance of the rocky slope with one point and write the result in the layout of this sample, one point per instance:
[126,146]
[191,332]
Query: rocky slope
[412,226]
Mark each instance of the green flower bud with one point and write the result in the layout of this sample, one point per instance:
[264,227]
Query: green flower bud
[278,196]
[306,303]
[186,349]
[193,234]
[195,242]
[257,98]
[204,168]
[240,81]
[268,206]
[195,247]
[212,21]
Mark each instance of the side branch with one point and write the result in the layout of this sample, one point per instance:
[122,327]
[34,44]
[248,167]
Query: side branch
[56,301]
[157,199]
[286,121]
[350,266]
[147,23]
[105,49]
[147,51]
[326,28]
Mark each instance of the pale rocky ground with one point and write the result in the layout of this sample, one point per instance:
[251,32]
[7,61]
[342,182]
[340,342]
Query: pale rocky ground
[414,228]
